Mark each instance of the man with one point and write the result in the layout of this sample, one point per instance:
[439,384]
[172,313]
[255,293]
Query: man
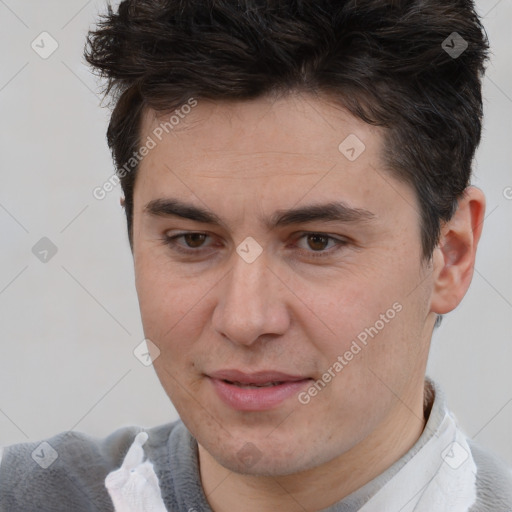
[296,181]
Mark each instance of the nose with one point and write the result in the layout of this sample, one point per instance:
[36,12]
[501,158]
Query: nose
[251,302]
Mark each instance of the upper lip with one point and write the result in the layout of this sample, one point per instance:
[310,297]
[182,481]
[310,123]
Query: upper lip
[261,377]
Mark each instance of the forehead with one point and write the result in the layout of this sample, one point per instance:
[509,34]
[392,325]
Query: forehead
[292,126]
[267,154]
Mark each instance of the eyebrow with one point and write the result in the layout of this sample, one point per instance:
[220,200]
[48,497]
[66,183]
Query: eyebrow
[336,211]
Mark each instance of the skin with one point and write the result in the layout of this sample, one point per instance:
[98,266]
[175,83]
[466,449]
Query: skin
[288,310]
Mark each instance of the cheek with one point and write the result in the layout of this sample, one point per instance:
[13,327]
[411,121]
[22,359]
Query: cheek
[373,323]
[346,309]
[165,299]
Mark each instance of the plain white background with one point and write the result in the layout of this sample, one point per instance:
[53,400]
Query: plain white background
[69,326]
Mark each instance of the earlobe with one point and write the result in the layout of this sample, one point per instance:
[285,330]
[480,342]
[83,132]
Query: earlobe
[454,257]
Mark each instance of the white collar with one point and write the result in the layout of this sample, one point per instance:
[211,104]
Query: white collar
[134,486]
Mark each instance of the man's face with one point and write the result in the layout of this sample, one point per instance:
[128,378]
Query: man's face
[319,291]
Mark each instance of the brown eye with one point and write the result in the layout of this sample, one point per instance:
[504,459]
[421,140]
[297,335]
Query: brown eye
[194,240]
[319,245]
[317,242]
[191,244]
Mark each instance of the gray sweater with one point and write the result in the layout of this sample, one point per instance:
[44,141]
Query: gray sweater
[67,472]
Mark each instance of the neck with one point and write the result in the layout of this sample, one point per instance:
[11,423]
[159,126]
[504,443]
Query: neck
[320,487]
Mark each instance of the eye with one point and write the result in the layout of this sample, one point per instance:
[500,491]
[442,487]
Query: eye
[193,242]
[318,242]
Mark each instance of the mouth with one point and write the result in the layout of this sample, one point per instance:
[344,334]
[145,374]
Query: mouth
[253,386]
[256,391]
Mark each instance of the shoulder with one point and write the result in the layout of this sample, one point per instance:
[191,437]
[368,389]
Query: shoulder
[493,481]
[68,470]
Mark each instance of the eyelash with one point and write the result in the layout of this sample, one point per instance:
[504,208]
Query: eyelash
[171,242]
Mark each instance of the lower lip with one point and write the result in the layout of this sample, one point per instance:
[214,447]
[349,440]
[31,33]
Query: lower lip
[256,399]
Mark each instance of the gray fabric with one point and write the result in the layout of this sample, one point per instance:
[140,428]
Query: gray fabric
[75,480]
[493,484]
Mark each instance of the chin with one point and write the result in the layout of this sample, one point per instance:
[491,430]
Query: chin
[267,466]
[264,459]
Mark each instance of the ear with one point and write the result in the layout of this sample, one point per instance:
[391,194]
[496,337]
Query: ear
[454,257]
[122,201]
